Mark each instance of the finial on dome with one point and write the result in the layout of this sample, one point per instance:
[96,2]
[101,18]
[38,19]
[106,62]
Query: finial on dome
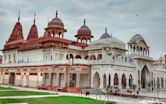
[19,16]
[105,29]
[34,18]
[56,14]
[84,21]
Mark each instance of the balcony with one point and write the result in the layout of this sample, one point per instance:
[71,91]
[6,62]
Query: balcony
[74,61]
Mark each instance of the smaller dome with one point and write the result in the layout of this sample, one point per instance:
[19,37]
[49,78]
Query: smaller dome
[161,58]
[135,38]
[84,30]
[105,35]
[56,22]
[107,41]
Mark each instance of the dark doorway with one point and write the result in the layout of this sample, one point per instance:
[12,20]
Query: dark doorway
[145,77]
[12,78]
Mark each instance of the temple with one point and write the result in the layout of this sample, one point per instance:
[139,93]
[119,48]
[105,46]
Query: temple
[55,63]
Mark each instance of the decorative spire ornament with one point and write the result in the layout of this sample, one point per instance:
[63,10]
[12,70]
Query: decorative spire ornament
[84,22]
[34,18]
[105,29]
[19,16]
[56,14]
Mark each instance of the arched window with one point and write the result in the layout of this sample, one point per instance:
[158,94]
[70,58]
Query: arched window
[78,57]
[104,81]
[116,80]
[86,57]
[109,80]
[69,56]
[93,57]
[130,81]
[123,81]
[96,80]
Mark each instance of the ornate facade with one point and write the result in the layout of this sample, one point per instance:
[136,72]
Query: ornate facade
[53,62]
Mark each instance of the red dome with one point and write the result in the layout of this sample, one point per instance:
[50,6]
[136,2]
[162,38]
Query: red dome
[56,23]
[84,30]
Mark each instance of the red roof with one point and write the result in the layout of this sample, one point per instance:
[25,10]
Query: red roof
[33,33]
[17,33]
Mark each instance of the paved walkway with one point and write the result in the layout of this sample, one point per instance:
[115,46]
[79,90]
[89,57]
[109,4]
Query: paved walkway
[119,100]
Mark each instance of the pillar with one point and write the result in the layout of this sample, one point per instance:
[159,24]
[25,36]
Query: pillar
[78,80]
[89,80]
[57,79]
[101,81]
[49,79]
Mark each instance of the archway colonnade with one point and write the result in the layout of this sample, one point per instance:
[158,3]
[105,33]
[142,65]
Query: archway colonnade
[122,81]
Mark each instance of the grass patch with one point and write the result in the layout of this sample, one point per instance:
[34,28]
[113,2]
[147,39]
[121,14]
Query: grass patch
[54,100]
[21,93]
[6,88]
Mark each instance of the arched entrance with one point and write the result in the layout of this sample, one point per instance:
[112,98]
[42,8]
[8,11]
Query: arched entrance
[104,81]
[145,77]
[96,80]
[116,80]
[123,81]
[130,81]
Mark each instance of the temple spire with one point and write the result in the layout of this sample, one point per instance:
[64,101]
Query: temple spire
[84,21]
[34,18]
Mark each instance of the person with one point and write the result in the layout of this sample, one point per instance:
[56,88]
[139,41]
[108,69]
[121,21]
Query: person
[87,93]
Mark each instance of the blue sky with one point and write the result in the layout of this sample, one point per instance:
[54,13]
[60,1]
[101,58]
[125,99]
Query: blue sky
[123,18]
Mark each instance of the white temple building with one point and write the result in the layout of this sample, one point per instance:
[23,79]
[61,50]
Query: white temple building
[53,62]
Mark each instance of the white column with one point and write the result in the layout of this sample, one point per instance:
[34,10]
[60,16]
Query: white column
[101,81]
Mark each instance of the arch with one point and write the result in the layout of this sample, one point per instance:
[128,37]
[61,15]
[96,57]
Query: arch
[96,80]
[83,40]
[78,57]
[86,57]
[109,80]
[116,79]
[145,77]
[104,81]
[93,57]
[162,82]
[69,56]
[130,81]
[123,82]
